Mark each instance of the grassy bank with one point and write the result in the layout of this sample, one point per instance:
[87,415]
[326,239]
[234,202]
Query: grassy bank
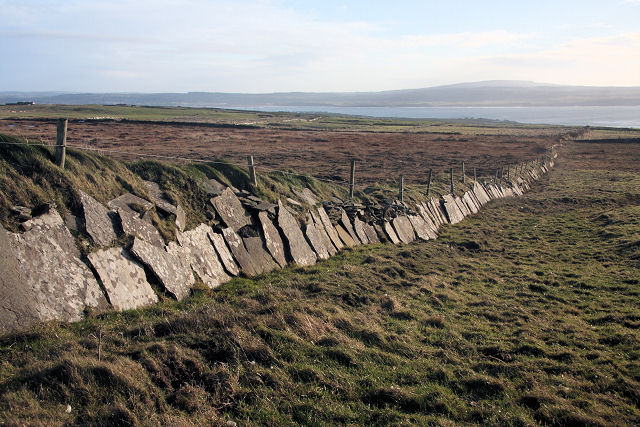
[526,314]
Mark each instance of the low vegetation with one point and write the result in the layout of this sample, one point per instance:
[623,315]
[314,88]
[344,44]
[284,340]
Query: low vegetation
[525,314]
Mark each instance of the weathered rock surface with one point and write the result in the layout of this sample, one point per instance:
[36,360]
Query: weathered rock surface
[223,252]
[370,231]
[391,233]
[127,200]
[202,256]
[134,226]
[471,204]
[330,229]
[240,253]
[421,227]
[181,218]
[231,210]
[315,218]
[262,261]
[123,278]
[404,229]
[97,219]
[317,242]
[481,194]
[462,207]
[299,249]
[213,187]
[272,238]
[344,236]
[306,195]
[382,235]
[46,278]
[158,198]
[346,223]
[358,227]
[172,269]
[453,211]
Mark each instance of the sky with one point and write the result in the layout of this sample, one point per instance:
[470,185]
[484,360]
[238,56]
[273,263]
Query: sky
[260,46]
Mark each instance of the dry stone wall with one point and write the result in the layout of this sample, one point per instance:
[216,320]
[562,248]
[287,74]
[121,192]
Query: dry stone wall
[44,277]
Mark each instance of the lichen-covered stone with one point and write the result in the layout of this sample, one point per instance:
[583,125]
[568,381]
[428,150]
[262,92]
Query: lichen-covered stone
[315,218]
[315,238]
[330,229]
[404,229]
[134,226]
[127,200]
[202,256]
[272,238]
[344,236]
[346,223]
[123,278]
[393,236]
[260,258]
[306,195]
[47,278]
[240,253]
[480,193]
[453,211]
[471,204]
[172,269]
[370,231]
[299,249]
[158,198]
[421,227]
[223,252]
[230,209]
[98,221]
[181,218]
[358,227]
[462,207]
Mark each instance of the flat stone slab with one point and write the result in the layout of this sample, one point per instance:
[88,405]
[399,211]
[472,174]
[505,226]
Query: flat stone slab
[462,206]
[181,218]
[358,227]
[171,269]
[123,278]
[202,256]
[52,283]
[230,209]
[223,252]
[127,200]
[213,187]
[404,229]
[370,231]
[344,236]
[158,198]
[330,229]
[240,253]
[261,259]
[471,204]
[391,233]
[453,211]
[382,235]
[98,221]
[346,223]
[299,249]
[421,228]
[480,193]
[306,195]
[134,226]
[318,244]
[272,239]
[314,217]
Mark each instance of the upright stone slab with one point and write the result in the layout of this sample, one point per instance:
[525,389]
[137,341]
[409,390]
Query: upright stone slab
[315,238]
[330,229]
[462,206]
[393,236]
[172,270]
[261,259]
[127,200]
[223,252]
[480,193]
[382,235]
[158,198]
[272,239]
[453,211]
[370,231]
[426,215]
[134,226]
[231,210]
[358,227]
[58,285]
[471,204]
[239,252]
[436,209]
[344,236]
[97,219]
[315,218]
[299,249]
[123,279]
[404,229]
[181,218]
[421,227]
[346,223]
[202,256]
[306,195]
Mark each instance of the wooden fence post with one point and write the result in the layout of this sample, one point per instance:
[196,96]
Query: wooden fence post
[451,179]
[429,182]
[475,177]
[61,142]
[352,178]
[401,189]
[463,172]
[252,170]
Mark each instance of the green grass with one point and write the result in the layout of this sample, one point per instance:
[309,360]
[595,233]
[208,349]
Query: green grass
[536,324]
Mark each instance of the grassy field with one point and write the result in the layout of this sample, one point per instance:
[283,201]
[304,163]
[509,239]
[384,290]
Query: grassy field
[525,314]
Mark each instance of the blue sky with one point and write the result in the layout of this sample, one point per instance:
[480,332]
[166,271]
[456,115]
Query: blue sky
[294,45]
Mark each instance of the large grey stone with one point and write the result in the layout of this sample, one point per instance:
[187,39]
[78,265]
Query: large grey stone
[370,231]
[127,200]
[330,229]
[156,194]
[123,278]
[404,229]
[134,226]
[213,187]
[391,233]
[358,227]
[172,269]
[382,235]
[272,239]
[315,238]
[421,227]
[231,210]
[423,210]
[223,252]
[471,204]
[240,253]
[453,211]
[260,258]
[306,195]
[346,223]
[462,206]
[202,256]
[315,218]
[480,193]
[181,218]
[47,279]
[299,249]
[344,236]
[98,221]
[437,211]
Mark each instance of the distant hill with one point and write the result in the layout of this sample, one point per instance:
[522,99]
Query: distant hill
[488,93]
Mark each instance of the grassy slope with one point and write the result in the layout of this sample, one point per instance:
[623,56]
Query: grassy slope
[524,314]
